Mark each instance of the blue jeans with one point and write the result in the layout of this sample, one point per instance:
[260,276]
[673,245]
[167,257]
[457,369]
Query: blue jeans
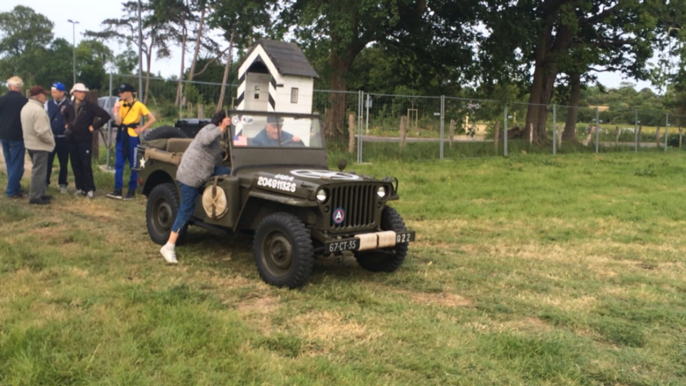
[183,216]
[188,196]
[13,151]
[221,170]
[120,162]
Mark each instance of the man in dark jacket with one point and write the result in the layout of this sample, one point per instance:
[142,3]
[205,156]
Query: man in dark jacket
[80,130]
[56,108]
[12,137]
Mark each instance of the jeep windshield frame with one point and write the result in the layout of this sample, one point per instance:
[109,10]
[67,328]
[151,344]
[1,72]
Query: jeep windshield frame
[246,153]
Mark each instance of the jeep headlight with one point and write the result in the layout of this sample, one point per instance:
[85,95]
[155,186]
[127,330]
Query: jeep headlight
[381,192]
[322,196]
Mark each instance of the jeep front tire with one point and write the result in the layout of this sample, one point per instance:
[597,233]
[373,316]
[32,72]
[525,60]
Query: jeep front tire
[283,251]
[385,259]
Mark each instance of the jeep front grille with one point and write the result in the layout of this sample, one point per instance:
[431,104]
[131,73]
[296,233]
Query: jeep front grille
[358,202]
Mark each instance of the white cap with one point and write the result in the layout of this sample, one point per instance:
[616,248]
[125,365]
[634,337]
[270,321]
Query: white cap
[79,87]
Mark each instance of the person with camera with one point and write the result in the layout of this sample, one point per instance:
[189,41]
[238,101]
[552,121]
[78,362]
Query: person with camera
[128,113]
[79,129]
[39,141]
[56,109]
[199,162]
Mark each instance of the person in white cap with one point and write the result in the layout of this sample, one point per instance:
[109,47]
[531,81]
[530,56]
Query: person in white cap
[11,136]
[80,128]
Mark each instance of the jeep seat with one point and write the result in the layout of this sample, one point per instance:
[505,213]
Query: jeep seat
[178,145]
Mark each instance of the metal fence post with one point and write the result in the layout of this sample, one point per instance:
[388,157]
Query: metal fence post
[109,129]
[505,131]
[367,107]
[666,129]
[597,129]
[442,123]
[554,129]
[635,130]
[360,112]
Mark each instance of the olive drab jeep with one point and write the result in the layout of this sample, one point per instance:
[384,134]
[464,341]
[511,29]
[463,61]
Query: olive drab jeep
[280,188]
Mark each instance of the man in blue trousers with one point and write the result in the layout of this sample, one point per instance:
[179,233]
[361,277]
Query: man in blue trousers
[56,109]
[12,137]
[128,113]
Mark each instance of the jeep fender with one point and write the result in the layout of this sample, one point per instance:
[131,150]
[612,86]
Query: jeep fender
[155,178]
[260,204]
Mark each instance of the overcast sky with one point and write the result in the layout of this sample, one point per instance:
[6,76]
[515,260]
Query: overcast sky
[89,14]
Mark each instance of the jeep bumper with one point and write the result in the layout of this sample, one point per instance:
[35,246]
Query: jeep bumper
[368,241]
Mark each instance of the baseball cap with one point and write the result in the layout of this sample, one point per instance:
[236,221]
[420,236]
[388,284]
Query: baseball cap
[79,87]
[37,90]
[274,120]
[59,86]
[124,87]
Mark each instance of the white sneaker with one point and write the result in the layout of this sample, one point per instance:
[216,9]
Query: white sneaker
[90,194]
[79,192]
[169,255]
[63,189]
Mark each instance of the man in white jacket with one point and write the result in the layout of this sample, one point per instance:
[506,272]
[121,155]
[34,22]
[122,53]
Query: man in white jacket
[39,141]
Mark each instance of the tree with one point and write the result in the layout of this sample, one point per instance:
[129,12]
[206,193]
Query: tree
[92,58]
[427,42]
[547,34]
[126,61]
[156,36]
[24,36]
[242,22]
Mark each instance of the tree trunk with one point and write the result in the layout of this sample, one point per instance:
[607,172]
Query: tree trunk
[545,73]
[541,93]
[335,115]
[569,133]
[198,37]
[220,103]
[179,86]
[147,77]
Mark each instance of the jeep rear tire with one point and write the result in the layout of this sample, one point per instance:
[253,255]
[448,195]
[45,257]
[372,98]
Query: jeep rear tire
[385,259]
[164,132]
[283,251]
[161,211]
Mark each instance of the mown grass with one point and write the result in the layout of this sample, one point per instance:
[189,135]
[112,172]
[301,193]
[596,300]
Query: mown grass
[527,270]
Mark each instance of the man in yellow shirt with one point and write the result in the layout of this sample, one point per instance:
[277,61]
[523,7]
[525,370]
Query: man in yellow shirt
[128,113]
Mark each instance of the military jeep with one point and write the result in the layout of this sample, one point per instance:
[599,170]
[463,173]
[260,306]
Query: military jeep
[283,191]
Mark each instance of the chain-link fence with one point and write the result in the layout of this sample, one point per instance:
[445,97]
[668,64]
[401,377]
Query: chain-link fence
[370,127]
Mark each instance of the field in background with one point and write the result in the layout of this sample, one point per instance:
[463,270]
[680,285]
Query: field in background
[533,269]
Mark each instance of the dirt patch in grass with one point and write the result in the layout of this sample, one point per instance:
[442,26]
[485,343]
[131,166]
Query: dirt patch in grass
[253,306]
[439,299]
[328,326]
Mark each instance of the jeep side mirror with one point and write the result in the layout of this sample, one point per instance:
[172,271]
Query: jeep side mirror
[342,163]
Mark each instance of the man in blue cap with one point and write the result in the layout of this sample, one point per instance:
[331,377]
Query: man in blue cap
[56,108]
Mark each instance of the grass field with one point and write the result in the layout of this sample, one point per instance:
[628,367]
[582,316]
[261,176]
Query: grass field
[532,270]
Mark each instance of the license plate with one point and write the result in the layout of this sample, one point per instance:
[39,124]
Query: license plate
[353,244]
[405,237]
[342,245]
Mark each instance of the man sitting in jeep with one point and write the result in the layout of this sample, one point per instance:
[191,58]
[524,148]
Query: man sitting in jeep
[269,136]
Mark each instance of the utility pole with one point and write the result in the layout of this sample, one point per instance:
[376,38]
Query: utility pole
[140,53]
[73,29]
